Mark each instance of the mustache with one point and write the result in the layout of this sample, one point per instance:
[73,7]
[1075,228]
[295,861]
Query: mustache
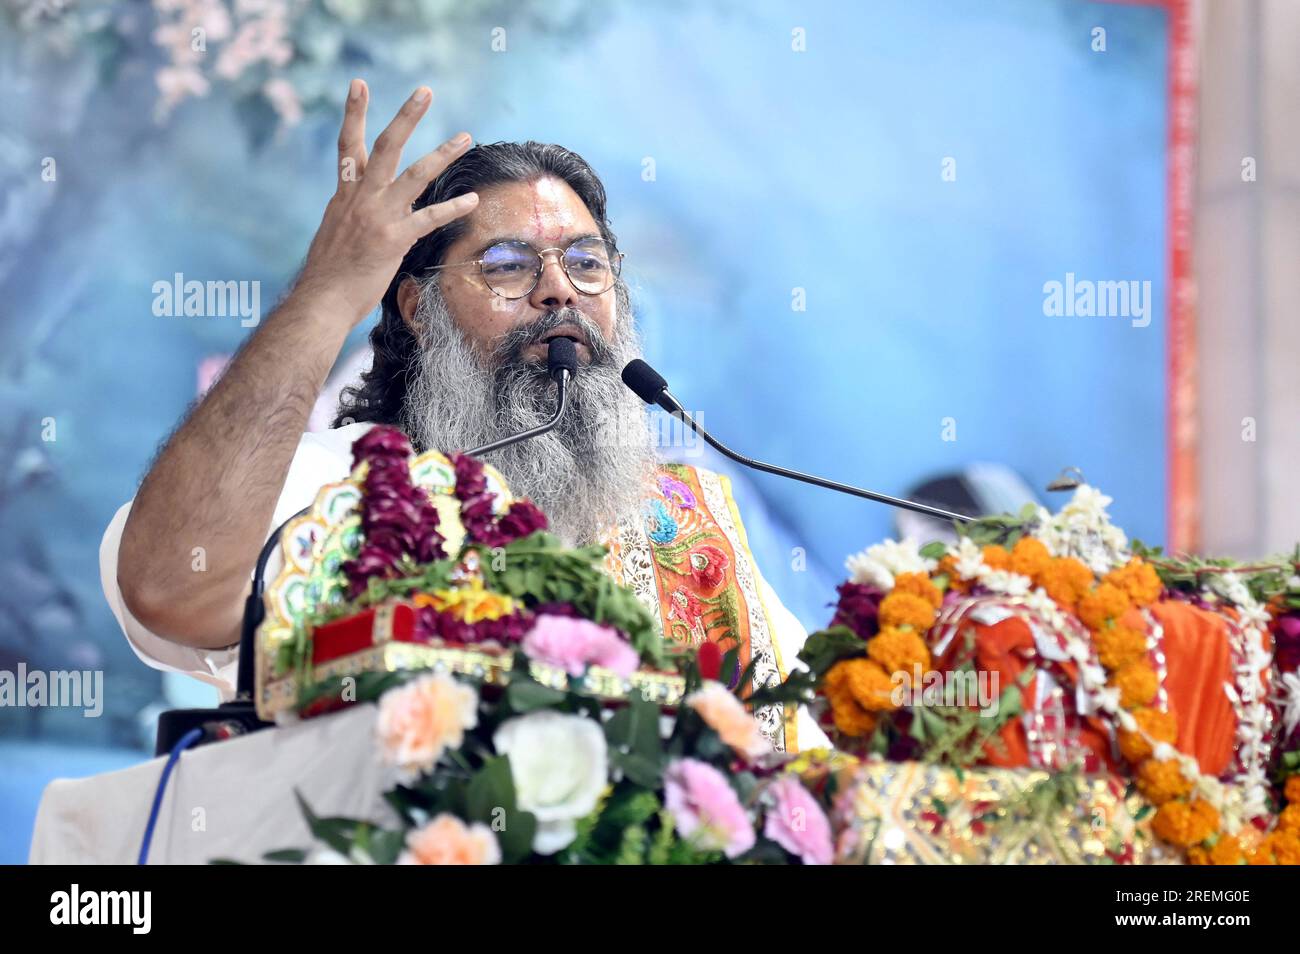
[509,350]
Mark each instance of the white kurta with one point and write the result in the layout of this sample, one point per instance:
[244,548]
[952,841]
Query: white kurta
[324,457]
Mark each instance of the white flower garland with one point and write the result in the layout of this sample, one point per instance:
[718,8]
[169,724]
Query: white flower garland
[879,563]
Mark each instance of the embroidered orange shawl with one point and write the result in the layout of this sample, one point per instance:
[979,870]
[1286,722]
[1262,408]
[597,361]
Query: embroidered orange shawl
[690,563]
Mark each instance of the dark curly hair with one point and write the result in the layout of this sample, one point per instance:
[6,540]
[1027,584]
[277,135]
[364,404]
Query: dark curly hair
[382,392]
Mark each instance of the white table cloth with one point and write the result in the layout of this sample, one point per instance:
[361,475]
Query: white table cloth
[232,799]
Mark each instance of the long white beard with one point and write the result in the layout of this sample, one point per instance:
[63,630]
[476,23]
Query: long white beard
[588,474]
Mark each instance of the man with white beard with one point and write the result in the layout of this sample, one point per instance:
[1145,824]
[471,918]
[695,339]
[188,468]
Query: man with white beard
[478,257]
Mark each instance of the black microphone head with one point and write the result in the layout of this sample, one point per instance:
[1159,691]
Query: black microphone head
[561,355]
[648,384]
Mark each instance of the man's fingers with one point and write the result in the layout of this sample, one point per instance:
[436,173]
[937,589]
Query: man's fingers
[425,220]
[411,183]
[382,164]
[352,136]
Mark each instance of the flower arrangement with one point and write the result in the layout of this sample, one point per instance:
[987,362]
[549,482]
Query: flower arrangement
[526,763]
[545,776]
[465,573]
[1093,644]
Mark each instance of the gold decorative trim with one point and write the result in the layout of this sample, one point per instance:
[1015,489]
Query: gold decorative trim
[280,695]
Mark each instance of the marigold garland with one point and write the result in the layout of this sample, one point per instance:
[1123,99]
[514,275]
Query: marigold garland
[1162,780]
[906,609]
[1065,580]
[850,716]
[1117,646]
[899,650]
[1137,683]
[1186,823]
[1102,604]
[1029,557]
[1193,810]
[1138,580]
[1154,725]
[918,584]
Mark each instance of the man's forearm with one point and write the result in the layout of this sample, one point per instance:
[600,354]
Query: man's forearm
[202,512]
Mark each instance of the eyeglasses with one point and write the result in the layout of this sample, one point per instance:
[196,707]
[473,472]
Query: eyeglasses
[513,269]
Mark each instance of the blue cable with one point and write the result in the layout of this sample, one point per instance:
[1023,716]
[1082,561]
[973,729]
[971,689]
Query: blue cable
[187,740]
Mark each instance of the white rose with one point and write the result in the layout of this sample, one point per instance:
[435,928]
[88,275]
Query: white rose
[560,767]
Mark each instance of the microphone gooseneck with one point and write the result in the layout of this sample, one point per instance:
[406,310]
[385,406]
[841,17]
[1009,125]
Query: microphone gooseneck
[649,385]
[561,365]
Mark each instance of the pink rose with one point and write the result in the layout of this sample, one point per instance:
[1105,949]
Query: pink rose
[797,823]
[446,840]
[706,809]
[573,644]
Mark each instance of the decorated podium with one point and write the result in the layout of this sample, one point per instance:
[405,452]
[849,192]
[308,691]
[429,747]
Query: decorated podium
[1042,690]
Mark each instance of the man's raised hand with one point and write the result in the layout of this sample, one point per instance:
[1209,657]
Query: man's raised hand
[368,225]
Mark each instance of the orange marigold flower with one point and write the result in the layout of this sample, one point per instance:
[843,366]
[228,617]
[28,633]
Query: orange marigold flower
[918,584]
[1138,580]
[1227,851]
[1196,855]
[871,687]
[905,609]
[948,567]
[1137,684]
[997,557]
[1286,847]
[1105,603]
[1206,816]
[1066,580]
[1161,781]
[1289,819]
[850,718]
[1161,726]
[1292,789]
[1117,646]
[899,650]
[1029,557]
[1278,848]
[1185,823]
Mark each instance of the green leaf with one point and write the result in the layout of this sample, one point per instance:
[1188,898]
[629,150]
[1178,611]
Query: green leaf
[337,833]
[643,771]
[385,845]
[934,550]
[490,799]
[828,646]
[526,695]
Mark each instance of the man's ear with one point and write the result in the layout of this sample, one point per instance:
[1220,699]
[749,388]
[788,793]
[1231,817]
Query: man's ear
[408,297]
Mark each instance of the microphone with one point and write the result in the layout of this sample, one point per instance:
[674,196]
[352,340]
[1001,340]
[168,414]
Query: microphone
[561,365]
[649,385]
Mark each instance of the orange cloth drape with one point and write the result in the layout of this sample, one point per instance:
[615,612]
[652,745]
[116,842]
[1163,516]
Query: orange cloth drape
[1198,663]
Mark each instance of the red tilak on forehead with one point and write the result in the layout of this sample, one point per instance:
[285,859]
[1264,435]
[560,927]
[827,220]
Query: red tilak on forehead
[546,236]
